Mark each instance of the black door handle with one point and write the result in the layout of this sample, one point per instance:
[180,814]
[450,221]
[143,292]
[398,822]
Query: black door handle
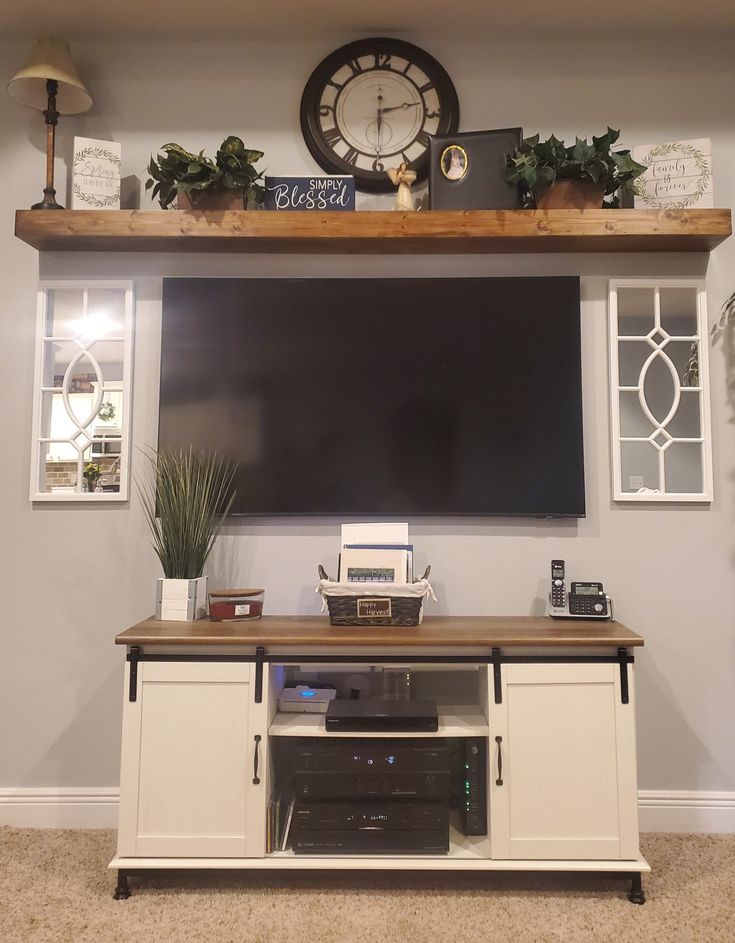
[256,780]
[499,780]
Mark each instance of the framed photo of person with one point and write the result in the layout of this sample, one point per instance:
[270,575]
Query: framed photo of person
[467,171]
[454,162]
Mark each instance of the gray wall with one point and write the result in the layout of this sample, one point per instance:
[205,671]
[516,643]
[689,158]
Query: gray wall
[75,576]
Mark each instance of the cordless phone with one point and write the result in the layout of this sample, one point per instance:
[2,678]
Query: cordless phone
[558,594]
[585,601]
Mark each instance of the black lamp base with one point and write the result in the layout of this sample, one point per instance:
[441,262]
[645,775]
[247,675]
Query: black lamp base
[48,202]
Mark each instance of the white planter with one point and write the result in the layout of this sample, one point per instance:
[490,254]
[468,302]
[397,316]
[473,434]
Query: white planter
[181,600]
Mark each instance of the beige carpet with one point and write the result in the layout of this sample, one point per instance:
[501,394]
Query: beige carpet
[55,886]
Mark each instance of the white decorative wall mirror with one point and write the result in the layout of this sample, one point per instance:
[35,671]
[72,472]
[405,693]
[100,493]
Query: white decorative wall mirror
[660,422]
[81,415]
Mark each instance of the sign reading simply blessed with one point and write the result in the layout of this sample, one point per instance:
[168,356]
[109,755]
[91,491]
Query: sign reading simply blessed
[333,192]
[96,175]
[679,174]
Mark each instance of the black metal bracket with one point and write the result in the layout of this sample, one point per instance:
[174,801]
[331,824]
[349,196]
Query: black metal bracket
[497,679]
[624,658]
[133,659]
[259,656]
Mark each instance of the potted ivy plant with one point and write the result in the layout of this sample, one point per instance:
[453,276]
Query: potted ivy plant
[575,177]
[186,496]
[195,181]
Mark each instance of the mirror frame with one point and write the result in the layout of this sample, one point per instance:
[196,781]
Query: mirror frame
[40,435]
[702,391]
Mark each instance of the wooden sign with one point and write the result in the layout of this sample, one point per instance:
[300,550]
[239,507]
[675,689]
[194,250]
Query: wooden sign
[332,192]
[679,175]
[96,175]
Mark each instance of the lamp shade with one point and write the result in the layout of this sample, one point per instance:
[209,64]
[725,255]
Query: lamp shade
[50,59]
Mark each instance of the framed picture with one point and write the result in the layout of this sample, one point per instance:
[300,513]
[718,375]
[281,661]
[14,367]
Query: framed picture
[467,171]
[454,162]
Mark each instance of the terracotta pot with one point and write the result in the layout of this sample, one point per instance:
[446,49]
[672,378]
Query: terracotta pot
[571,195]
[216,200]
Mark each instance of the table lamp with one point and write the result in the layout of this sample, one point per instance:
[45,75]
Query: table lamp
[49,82]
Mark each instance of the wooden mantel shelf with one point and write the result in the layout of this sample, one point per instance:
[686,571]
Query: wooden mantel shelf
[375,232]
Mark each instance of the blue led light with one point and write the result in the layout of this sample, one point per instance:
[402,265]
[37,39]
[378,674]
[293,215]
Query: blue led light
[308,693]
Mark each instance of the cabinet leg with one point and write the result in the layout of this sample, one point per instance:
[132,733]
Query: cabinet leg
[122,891]
[636,894]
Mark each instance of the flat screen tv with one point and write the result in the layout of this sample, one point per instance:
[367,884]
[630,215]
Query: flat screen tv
[380,397]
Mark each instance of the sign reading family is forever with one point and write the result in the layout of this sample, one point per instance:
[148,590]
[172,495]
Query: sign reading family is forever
[679,174]
[96,175]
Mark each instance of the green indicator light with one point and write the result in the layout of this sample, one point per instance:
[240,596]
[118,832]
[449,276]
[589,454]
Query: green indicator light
[466,765]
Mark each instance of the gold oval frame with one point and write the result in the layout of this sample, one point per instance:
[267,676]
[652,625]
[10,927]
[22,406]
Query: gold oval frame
[446,154]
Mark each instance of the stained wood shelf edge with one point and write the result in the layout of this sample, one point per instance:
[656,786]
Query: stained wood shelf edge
[481,231]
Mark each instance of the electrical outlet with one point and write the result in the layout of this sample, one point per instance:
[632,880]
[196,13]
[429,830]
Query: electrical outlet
[635,482]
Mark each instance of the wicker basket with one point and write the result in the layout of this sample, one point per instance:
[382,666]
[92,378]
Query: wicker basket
[361,608]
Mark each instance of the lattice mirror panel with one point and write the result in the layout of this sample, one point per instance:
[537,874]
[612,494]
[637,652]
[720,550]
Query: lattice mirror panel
[661,442]
[82,392]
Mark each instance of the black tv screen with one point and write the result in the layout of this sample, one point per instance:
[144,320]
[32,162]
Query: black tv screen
[375,396]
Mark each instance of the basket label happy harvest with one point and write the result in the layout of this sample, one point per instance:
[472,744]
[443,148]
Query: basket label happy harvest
[373,608]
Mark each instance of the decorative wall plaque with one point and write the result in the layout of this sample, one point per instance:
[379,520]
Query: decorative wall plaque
[96,175]
[679,175]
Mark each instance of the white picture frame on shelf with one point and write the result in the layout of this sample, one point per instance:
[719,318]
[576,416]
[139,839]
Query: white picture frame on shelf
[96,172]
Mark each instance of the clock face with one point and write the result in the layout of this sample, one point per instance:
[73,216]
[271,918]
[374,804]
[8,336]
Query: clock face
[375,104]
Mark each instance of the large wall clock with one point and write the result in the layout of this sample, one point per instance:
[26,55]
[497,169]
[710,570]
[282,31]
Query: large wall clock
[373,104]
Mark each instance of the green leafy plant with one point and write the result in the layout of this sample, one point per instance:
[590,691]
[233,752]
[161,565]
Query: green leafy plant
[106,412]
[537,164]
[186,496]
[91,475]
[181,171]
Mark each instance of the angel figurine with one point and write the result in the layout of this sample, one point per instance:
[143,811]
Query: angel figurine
[402,178]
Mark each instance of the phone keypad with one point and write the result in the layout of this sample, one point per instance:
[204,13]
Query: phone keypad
[587,605]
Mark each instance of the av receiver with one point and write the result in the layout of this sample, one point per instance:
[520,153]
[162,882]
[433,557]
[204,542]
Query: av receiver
[370,827]
[371,769]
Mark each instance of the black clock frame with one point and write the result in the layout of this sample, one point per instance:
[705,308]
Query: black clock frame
[383,49]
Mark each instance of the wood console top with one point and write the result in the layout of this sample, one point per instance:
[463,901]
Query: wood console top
[441,631]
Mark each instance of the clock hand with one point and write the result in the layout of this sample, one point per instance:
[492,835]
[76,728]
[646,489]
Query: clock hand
[401,107]
[380,124]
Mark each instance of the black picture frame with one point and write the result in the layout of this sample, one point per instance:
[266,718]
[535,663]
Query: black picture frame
[481,185]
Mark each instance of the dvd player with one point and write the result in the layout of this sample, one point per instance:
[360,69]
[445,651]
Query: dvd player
[372,714]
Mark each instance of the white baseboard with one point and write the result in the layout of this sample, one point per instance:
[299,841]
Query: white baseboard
[59,808]
[677,811]
[658,811]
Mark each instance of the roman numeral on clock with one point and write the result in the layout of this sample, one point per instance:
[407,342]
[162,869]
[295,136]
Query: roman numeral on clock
[331,136]
[351,156]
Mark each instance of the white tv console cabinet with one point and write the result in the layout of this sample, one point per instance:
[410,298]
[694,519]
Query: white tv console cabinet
[555,700]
